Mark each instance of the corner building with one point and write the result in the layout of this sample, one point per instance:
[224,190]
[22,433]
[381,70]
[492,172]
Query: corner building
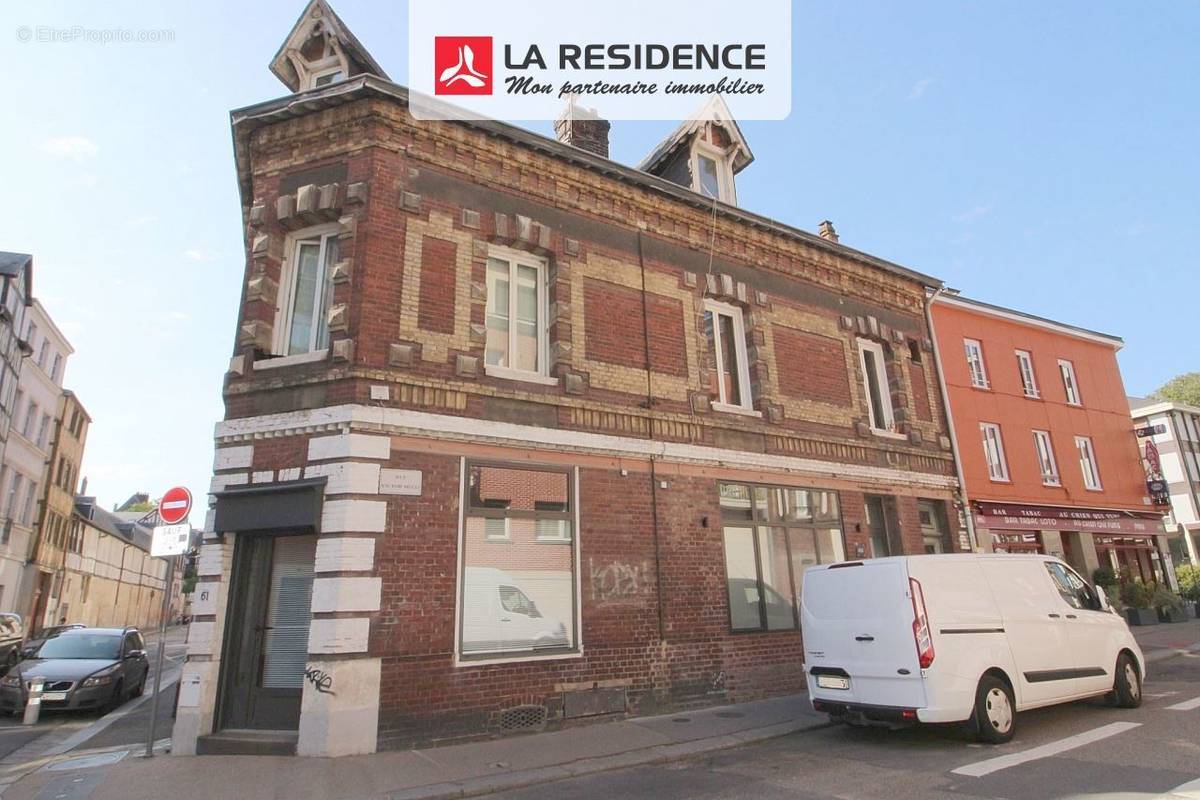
[519,436]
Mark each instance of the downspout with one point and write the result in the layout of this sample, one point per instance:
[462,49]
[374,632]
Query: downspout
[648,405]
[941,379]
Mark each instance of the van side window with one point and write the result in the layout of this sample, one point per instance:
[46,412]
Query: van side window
[1073,588]
[516,601]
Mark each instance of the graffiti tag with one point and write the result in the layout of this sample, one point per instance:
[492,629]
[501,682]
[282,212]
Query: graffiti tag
[320,679]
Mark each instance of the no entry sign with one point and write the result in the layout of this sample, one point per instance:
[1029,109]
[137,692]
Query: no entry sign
[175,505]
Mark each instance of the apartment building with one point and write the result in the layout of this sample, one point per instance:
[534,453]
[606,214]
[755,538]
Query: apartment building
[24,472]
[517,435]
[16,293]
[1169,434]
[1049,462]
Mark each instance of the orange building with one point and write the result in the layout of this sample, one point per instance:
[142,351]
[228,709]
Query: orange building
[1049,460]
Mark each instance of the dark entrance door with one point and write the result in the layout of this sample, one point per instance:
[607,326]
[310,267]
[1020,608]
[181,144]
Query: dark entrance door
[266,643]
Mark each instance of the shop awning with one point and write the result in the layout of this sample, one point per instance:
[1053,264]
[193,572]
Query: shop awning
[1018,516]
[293,507]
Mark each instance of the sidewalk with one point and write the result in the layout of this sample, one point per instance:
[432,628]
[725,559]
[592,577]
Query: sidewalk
[459,770]
[1167,639]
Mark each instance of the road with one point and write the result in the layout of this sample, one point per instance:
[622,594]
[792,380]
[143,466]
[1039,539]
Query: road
[127,725]
[1146,752]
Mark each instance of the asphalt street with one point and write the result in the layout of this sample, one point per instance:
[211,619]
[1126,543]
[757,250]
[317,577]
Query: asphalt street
[1080,750]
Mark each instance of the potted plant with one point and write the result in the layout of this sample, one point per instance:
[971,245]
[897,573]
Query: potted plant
[1189,586]
[1105,578]
[1168,604]
[1137,601]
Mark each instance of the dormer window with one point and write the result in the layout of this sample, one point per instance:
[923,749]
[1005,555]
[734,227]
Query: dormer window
[711,173]
[327,76]
[321,51]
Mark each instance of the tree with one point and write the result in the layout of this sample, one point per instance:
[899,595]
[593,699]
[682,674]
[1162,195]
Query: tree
[1183,388]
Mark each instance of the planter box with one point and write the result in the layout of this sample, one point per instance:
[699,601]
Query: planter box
[1141,616]
[1172,615]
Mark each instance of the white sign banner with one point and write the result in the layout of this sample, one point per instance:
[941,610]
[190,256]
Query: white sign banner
[170,540]
[628,59]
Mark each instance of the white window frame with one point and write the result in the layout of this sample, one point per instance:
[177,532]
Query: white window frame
[726,192]
[739,345]
[286,299]
[1070,382]
[1000,473]
[315,75]
[1043,446]
[504,537]
[885,392]
[979,378]
[1025,369]
[1088,464]
[517,258]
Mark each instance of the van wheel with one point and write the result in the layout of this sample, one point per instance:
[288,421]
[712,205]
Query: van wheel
[995,718]
[1127,685]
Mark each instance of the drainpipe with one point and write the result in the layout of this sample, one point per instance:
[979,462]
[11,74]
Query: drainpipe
[941,379]
[649,406]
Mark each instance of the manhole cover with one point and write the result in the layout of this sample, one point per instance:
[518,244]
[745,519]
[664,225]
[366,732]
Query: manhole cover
[730,714]
[682,719]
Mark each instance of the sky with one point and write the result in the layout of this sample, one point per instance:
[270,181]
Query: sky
[1041,156]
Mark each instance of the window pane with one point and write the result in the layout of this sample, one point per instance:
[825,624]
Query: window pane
[710,182]
[305,297]
[829,544]
[326,295]
[735,502]
[496,348]
[730,366]
[804,555]
[878,420]
[877,525]
[519,578]
[777,583]
[714,379]
[743,579]
[527,319]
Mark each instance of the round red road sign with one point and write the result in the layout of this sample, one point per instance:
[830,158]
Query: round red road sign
[175,505]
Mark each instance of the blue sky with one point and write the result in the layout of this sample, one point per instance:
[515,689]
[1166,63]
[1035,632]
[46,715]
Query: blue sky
[1036,155]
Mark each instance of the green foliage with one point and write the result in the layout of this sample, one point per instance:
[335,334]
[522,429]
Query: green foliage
[1104,576]
[1135,594]
[1163,598]
[1189,581]
[147,506]
[1180,389]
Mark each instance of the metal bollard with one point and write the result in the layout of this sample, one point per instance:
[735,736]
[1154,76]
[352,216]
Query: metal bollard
[33,702]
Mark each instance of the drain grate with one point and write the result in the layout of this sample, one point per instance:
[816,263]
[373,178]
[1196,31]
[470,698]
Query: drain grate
[523,718]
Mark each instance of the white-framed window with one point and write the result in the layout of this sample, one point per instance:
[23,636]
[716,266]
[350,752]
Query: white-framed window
[1025,369]
[1087,463]
[56,372]
[307,291]
[729,384]
[496,529]
[975,365]
[31,413]
[993,451]
[1070,384]
[1045,456]
[43,434]
[27,506]
[14,491]
[43,353]
[516,344]
[712,174]
[326,76]
[875,386]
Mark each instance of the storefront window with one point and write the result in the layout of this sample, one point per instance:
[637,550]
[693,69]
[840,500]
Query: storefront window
[771,535]
[519,566]
[1013,542]
[1130,557]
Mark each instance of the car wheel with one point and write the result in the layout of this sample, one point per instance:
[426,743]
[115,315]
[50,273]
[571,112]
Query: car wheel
[995,718]
[1127,684]
[141,687]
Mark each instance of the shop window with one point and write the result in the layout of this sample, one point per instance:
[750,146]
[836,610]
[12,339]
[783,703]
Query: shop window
[1004,542]
[975,363]
[1025,369]
[729,384]
[772,534]
[1087,463]
[1070,384]
[519,562]
[516,317]
[307,290]
[993,451]
[875,386]
[1045,456]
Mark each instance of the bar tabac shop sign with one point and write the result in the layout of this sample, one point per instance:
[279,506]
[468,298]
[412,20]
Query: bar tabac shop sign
[471,58]
[1036,518]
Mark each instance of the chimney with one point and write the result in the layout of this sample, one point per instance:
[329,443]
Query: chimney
[826,231]
[582,128]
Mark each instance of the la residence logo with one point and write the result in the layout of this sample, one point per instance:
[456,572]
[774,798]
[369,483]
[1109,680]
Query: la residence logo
[462,65]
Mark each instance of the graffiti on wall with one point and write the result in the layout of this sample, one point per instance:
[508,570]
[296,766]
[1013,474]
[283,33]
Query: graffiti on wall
[618,581]
[322,681]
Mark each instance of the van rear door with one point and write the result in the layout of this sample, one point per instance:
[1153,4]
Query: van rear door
[857,621]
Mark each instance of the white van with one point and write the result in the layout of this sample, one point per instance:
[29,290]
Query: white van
[499,615]
[961,638]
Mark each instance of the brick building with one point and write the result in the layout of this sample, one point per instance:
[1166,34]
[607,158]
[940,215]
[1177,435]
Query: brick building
[519,435]
[1050,463]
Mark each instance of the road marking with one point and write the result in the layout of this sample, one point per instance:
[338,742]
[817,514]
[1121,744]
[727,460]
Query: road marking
[990,765]
[1186,705]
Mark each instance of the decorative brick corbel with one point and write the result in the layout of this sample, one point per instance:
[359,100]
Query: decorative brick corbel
[341,271]
[255,333]
[261,287]
[342,350]
[339,317]
[237,365]
[401,354]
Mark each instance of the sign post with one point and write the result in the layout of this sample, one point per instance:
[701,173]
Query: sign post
[170,541]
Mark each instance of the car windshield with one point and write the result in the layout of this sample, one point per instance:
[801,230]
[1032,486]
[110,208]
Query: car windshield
[82,645]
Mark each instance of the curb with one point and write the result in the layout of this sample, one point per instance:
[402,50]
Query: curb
[1162,654]
[659,754]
